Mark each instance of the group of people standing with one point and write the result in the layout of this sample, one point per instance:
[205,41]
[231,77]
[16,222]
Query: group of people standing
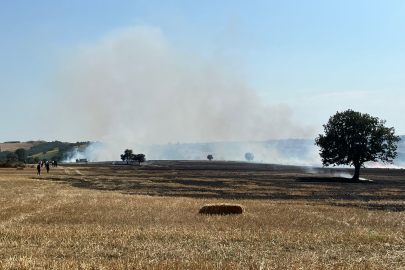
[41,164]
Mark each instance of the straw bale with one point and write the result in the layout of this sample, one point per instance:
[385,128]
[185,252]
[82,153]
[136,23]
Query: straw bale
[221,209]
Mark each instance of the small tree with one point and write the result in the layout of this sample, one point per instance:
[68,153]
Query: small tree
[21,154]
[249,156]
[139,157]
[210,157]
[352,138]
[128,155]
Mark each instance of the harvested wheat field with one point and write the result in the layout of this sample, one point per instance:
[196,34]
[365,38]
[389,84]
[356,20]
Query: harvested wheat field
[103,216]
[15,146]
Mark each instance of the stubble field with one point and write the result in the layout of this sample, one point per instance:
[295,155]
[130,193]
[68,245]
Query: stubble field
[104,216]
[14,146]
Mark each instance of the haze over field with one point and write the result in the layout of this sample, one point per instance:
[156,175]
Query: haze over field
[131,74]
[133,88]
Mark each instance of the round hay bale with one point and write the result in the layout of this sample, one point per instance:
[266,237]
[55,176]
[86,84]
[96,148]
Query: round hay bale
[221,209]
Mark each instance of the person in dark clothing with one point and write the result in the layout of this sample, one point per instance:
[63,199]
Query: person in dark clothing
[39,169]
[47,166]
[56,163]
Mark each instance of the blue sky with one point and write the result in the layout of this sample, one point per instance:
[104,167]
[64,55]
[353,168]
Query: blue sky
[318,57]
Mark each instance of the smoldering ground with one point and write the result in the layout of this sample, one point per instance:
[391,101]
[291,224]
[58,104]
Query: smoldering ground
[134,88]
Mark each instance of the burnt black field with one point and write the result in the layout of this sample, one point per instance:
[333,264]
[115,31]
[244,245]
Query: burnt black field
[383,190]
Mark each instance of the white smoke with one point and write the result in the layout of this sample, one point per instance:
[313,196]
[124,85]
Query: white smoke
[133,88]
[343,174]
[92,153]
[381,165]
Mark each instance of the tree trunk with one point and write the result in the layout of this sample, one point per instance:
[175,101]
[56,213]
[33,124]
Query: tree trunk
[356,173]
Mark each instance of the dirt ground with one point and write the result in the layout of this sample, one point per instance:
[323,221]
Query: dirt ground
[104,216]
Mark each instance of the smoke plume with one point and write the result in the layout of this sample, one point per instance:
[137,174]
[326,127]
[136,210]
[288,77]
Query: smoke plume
[134,88]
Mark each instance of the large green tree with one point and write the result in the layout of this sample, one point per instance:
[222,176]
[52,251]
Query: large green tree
[353,138]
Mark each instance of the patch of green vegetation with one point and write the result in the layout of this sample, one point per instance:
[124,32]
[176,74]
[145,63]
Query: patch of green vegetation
[48,155]
[48,146]
[375,236]
[54,150]
[37,155]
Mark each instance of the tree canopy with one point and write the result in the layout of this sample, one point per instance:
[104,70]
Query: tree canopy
[22,154]
[12,157]
[139,157]
[249,156]
[129,155]
[210,157]
[353,138]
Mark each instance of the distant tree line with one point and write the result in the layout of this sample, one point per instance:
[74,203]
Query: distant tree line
[3,155]
[49,146]
[22,155]
[13,157]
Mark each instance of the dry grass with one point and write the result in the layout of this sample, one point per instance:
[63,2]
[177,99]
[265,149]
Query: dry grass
[19,166]
[105,217]
[14,146]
